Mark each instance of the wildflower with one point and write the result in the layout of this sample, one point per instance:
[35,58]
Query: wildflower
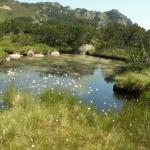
[131,134]
[105,114]
[33,146]
[76,86]
[31,140]
[109,110]
[80,85]
[80,102]
[89,108]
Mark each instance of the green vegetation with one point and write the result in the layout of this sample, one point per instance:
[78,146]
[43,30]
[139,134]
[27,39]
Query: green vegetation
[50,26]
[21,34]
[137,81]
[112,53]
[55,119]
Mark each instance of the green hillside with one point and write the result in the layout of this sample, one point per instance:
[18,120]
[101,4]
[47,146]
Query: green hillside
[54,12]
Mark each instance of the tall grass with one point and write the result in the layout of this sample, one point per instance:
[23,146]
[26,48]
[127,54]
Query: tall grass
[133,81]
[11,95]
[56,120]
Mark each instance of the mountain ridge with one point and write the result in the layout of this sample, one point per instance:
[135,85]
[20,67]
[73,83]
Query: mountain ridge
[55,12]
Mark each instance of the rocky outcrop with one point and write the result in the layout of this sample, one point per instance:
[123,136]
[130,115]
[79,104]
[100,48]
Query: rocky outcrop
[7,59]
[49,11]
[55,53]
[85,48]
[30,53]
[40,55]
[15,56]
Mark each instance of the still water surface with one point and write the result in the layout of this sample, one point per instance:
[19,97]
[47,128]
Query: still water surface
[87,77]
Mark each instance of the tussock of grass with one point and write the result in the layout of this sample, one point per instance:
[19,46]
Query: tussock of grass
[11,95]
[57,120]
[2,55]
[133,81]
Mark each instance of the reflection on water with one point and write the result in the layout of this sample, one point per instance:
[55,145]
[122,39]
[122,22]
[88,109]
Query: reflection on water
[86,77]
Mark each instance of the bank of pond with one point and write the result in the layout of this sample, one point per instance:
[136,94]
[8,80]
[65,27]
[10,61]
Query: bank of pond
[69,102]
[57,119]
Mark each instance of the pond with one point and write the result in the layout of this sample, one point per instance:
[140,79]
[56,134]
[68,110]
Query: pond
[86,77]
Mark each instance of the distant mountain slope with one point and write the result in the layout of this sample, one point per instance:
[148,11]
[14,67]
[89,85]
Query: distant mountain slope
[55,12]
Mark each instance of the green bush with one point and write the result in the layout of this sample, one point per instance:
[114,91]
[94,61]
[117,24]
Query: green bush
[140,57]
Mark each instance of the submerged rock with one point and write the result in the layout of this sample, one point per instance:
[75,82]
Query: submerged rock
[55,53]
[85,48]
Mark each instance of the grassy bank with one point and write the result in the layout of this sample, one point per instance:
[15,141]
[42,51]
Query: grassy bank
[7,45]
[133,81]
[57,120]
[3,55]
[116,54]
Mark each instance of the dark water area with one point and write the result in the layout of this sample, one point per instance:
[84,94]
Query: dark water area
[86,77]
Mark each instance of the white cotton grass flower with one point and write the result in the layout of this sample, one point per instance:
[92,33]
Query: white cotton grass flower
[67,140]
[89,92]
[89,108]
[33,146]
[131,134]
[31,140]
[33,81]
[11,73]
[105,114]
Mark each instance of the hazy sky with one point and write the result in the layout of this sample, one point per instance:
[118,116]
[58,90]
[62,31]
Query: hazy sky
[137,10]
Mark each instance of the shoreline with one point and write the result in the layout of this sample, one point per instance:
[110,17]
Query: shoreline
[117,58]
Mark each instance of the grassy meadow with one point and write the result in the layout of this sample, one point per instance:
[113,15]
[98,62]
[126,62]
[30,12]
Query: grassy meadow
[55,120]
